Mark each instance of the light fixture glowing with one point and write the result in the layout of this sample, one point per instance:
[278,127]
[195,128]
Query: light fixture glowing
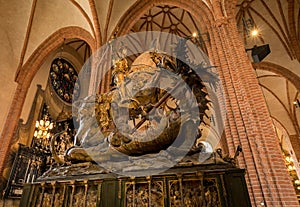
[42,128]
[250,27]
[194,34]
[40,132]
[254,32]
[297,103]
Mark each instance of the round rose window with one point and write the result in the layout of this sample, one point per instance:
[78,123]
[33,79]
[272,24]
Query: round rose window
[63,78]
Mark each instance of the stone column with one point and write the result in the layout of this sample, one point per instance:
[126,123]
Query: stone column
[248,122]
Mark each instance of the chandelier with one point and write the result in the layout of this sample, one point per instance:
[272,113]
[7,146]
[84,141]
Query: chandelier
[42,134]
[290,165]
[43,128]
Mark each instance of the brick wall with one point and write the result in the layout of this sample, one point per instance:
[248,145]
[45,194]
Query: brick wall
[248,122]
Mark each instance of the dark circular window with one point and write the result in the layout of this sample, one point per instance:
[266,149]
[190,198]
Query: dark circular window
[63,78]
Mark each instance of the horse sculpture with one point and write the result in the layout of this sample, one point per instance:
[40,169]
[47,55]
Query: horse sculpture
[146,110]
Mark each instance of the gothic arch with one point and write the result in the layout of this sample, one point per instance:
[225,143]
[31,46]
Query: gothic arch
[26,75]
[289,121]
[280,70]
[199,10]
[50,44]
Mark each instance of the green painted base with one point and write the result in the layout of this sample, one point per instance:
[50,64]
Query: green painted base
[203,186]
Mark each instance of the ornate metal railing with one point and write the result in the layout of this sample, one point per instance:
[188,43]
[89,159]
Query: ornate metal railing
[29,164]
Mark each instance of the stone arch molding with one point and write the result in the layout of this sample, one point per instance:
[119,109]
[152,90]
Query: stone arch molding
[26,74]
[205,10]
[34,62]
[295,81]
[280,70]
[199,9]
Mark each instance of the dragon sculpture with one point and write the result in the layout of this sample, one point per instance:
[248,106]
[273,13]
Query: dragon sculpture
[147,101]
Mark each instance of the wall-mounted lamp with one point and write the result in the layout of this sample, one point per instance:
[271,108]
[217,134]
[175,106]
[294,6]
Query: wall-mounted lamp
[297,103]
[200,37]
[251,30]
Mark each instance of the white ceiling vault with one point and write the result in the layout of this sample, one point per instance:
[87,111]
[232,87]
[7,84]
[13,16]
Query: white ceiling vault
[278,24]
[25,25]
